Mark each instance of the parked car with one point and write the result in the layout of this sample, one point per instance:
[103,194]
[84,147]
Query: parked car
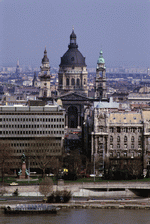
[50,175]
[13,184]
[92,175]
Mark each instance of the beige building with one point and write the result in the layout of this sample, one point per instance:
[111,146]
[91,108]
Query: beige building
[120,137]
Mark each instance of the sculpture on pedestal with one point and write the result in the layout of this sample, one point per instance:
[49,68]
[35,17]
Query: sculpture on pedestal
[23,173]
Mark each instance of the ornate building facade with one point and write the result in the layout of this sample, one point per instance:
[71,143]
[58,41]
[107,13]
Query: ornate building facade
[121,138]
[72,84]
[72,75]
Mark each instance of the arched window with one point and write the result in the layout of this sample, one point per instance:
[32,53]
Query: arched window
[118,138]
[125,139]
[78,82]
[67,82]
[111,138]
[132,139]
[72,82]
[60,81]
[84,81]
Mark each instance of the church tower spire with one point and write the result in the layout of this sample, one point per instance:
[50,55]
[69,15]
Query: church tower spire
[73,40]
[100,91]
[45,77]
[17,67]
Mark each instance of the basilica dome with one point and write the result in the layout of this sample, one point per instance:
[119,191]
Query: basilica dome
[73,56]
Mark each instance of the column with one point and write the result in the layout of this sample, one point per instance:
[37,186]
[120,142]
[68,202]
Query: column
[66,120]
[78,120]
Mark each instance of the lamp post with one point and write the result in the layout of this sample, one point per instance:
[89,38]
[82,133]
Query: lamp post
[94,166]
[29,168]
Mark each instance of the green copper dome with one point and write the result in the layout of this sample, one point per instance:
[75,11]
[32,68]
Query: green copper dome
[101,59]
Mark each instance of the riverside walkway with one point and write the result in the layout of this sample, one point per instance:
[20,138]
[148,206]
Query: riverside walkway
[88,189]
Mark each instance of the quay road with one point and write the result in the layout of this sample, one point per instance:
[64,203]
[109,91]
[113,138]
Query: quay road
[95,189]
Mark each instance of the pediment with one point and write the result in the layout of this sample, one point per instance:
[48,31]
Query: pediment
[73,96]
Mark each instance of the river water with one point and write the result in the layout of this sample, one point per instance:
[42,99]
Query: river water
[82,216]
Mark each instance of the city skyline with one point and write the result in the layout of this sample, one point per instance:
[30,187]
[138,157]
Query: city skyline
[119,28]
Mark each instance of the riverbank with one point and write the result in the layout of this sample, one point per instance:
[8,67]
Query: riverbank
[90,204]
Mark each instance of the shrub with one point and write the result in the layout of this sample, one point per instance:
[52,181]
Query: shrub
[59,197]
[66,196]
[50,199]
[46,186]
[15,192]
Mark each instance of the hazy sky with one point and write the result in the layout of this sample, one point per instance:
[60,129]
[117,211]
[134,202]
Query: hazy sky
[120,27]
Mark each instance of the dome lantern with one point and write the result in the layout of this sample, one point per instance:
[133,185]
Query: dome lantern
[101,60]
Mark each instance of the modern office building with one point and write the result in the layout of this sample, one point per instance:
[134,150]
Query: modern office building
[32,130]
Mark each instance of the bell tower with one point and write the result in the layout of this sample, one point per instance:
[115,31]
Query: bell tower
[100,86]
[17,68]
[45,77]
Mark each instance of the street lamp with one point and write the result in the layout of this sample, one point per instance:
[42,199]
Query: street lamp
[94,166]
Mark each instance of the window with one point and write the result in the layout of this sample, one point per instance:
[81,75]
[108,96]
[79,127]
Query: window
[111,146]
[132,154]
[67,82]
[112,130]
[132,139]
[133,130]
[125,146]
[132,146]
[111,138]
[78,82]
[111,154]
[60,81]
[72,81]
[125,154]
[139,146]
[118,129]
[139,138]
[118,146]
[118,138]
[139,154]
[125,138]
[118,154]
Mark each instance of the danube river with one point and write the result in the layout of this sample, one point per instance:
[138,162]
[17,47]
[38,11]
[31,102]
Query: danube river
[82,216]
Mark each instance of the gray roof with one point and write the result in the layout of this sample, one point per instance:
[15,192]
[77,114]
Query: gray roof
[73,56]
[109,104]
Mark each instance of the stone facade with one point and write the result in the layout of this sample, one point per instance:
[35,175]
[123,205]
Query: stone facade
[72,75]
[72,84]
[121,137]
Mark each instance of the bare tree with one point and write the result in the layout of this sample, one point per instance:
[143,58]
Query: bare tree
[41,155]
[46,186]
[135,168]
[73,161]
